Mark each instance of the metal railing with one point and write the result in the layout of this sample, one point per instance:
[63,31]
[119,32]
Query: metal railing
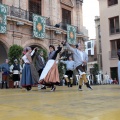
[114,30]
[63,26]
[113,54]
[24,14]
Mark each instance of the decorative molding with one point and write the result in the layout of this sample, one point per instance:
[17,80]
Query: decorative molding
[68,2]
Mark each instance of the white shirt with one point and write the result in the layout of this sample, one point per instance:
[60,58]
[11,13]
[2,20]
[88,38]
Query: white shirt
[81,54]
[25,59]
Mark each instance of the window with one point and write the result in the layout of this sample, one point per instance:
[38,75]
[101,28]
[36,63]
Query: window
[34,7]
[66,16]
[89,45]
[112,2]
[114,25]
[115,45]
[89,52]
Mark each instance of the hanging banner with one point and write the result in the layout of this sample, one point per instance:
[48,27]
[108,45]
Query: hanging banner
[3,18]
[39,24]
[71,34]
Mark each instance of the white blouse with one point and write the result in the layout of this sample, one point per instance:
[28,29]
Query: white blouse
[25,59]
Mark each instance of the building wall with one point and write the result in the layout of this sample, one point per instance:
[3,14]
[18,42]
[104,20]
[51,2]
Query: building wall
[98,42]
[22,35]
[107,12]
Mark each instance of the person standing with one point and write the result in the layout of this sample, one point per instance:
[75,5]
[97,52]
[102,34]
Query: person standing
[5,73]
[16,69]
[118,53]
[69,72]
[80,59]
[27,80]
[50,74]
[39,64]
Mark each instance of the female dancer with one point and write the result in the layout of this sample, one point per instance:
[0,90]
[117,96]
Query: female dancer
[27,79]
[119,65]
[50,75]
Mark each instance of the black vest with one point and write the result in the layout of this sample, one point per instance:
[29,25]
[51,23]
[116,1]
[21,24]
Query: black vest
[16,67]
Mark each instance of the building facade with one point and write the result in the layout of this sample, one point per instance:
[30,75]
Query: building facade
[58,14]
[98,43]
[90,46]
[110,35]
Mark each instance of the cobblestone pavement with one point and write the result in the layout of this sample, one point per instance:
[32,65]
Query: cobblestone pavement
[102,103]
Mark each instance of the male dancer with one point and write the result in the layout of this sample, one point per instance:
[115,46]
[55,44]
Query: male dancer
[69,72]
[80,59]
[16,69]
[5,73]
[39,64]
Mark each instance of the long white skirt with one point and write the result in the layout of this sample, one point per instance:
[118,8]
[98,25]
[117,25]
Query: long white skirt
[46,69]
[50,74]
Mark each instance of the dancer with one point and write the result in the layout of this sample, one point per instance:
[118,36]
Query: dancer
[69,73]
[16,69]
[118,53]
[80,59]
[5,73]
[27,80]
[50,75]
[39,64]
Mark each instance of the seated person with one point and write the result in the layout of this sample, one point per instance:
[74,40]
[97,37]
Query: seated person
[115,81]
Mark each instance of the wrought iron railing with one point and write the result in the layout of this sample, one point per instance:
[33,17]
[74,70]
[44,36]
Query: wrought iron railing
[113,54]
[63,26]
[23,14]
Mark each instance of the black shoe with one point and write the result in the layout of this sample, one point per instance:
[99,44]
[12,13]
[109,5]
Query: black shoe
[43,88]
[88,86]
[80,88]
[53,89]
[70,85]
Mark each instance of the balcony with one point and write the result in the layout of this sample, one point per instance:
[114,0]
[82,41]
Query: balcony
[23,14]
[113,54]
[114,31]
[64,26]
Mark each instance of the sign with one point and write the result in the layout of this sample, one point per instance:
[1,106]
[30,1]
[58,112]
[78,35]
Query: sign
[3,18]
[71,34]
[39,24]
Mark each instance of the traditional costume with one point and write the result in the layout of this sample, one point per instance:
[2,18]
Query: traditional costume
[5,75]
[50,74]
[16,69]
[27,79]
[69,72]
[119,65]
[79,58]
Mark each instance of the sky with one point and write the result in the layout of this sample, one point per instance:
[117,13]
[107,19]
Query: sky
[90,10]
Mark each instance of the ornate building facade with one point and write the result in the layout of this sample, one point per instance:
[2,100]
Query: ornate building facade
[58,14]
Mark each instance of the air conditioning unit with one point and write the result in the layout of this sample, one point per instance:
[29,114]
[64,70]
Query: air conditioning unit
[57,32]
[20,23]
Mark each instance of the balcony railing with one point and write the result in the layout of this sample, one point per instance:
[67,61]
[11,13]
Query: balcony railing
[23,14]
[113,54]
[114,30]
[64,26]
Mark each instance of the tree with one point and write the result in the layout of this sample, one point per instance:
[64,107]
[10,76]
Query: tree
[15,52]
[95,71]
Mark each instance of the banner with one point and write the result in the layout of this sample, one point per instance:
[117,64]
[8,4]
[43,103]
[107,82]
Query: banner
[71,34]
[3,18]
[39,24]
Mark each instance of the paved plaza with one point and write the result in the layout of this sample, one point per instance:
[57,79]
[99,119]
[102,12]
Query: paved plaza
[103,103]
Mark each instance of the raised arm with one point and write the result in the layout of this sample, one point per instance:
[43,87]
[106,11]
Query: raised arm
[69,47]
[64,62]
